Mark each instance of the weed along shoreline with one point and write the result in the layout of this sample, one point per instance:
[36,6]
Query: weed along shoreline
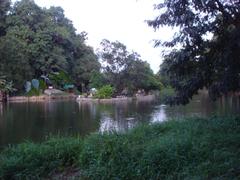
[189,148]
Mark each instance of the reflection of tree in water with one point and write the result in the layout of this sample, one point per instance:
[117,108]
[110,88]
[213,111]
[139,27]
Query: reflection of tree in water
[145,111]
[5,113]
[88,117]
[229,105]
[19,121]
[1,110]
[122,116]
[109,125]
[87,110]
[159,115]
[201,105]
[113,117]
[1,124]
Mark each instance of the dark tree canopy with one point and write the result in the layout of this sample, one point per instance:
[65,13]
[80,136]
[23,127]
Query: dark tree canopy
[37,41]
[209,37]
[4,8]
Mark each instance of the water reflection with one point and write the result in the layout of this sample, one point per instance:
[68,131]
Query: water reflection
[159,114]
[36,120]
[118,116]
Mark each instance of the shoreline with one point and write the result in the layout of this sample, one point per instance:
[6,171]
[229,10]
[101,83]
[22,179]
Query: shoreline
[146,98]
[73,96]
[40,98]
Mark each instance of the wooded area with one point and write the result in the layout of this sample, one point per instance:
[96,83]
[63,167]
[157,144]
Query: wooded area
[41,43]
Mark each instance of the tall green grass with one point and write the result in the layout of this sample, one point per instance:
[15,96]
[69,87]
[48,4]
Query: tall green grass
[32,161]
[193,148]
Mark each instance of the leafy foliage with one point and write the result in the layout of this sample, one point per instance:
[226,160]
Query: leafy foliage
[38,41]
[209,39]
[6,86]
[4,8]
[97,79]
[138,75]
[34,92]
[60,79]
[104,92]
[125,69]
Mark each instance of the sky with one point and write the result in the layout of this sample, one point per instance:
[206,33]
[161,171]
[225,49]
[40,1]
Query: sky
[121,20]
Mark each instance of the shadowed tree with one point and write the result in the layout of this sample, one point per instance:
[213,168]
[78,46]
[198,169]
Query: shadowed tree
[38,41]
[209,41]
[4,8]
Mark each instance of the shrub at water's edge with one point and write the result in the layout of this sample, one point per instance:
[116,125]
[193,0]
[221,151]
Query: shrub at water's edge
[194,148]
[104,92]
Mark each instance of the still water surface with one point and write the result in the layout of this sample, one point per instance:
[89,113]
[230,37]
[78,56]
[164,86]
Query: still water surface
[36,120]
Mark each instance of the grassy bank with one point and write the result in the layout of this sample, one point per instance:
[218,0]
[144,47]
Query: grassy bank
[192,148]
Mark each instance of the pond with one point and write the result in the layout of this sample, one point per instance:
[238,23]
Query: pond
[37,120]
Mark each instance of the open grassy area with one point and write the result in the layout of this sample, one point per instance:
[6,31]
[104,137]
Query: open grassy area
[193,148]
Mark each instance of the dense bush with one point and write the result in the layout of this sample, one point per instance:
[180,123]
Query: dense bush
[42,85]
[97,80]
[35,87]
[59,79]
[32,44]
[34,92]
[6,86]
[104,92]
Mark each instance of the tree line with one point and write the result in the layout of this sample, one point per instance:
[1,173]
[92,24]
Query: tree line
[37,42]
